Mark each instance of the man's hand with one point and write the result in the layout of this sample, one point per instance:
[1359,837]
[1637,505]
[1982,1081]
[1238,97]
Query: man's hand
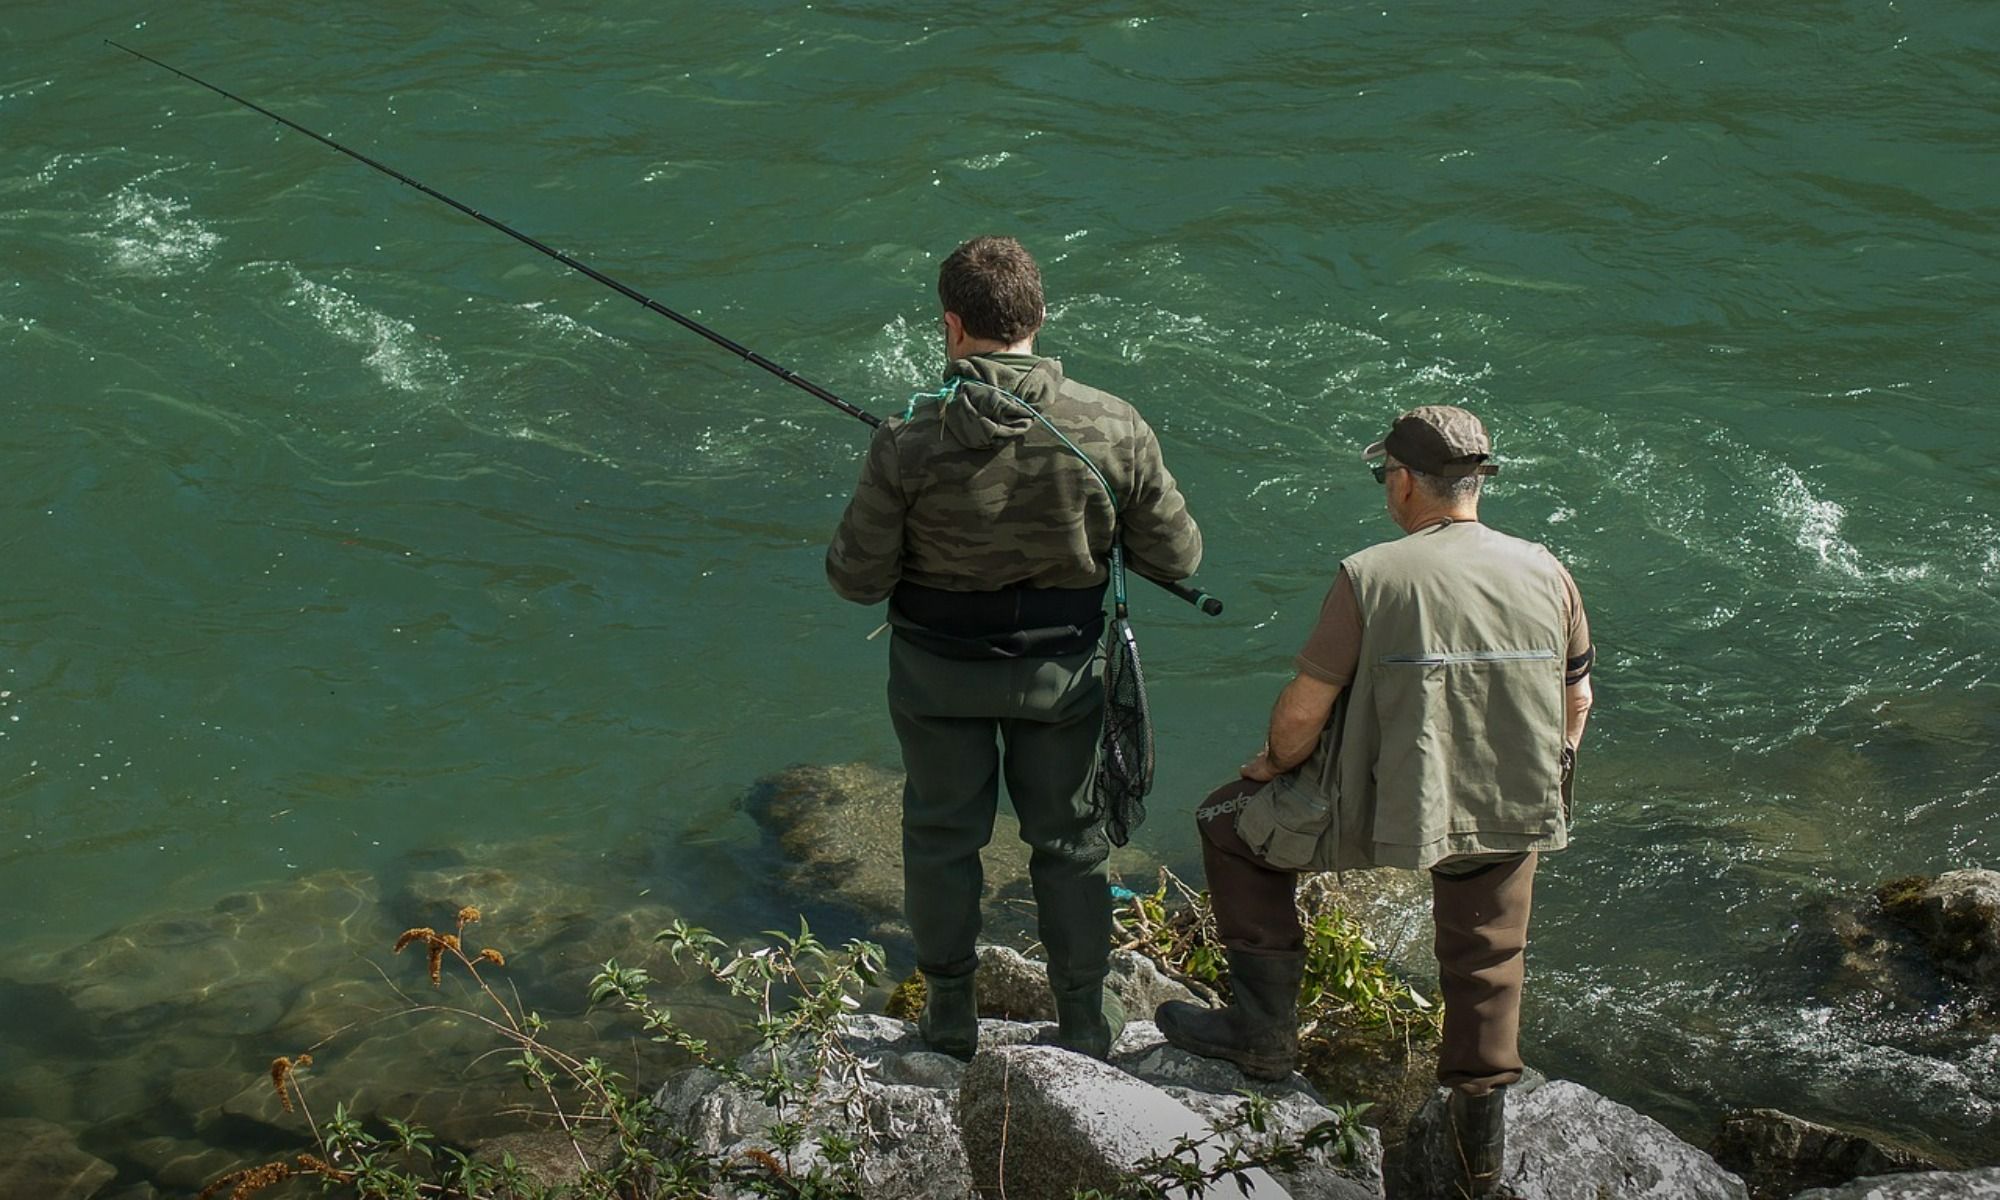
[1260,768]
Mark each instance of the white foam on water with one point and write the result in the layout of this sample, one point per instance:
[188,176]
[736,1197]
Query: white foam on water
[1439,372]
[151,235]
[392,347]
[1818,532]
[565,324]
[905,355]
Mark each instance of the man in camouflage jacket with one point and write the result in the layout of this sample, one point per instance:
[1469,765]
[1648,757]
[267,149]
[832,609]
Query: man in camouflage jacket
[989,537]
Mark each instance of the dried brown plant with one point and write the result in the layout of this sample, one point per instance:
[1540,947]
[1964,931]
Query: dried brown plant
[316,1165]
[250,1181]
[422,933]
[282,1069]
[493,956]
[467,915]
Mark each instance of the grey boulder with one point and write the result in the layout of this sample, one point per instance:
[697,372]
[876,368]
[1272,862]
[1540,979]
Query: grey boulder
[1014,986]
[1041,1121]
[1566,1142]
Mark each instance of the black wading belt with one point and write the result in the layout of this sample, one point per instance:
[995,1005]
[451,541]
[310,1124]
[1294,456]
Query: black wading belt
[1015,622]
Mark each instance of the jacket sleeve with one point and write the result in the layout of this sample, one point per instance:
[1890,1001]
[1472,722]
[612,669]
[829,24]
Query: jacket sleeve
[865,559]
[1161,539]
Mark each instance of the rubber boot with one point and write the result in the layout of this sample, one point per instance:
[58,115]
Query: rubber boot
[1478,1126]
[1088,1020]
[949,1022]
[1259,1031]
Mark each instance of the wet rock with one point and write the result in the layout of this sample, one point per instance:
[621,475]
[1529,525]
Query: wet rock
[1016,987]
[179,1165]
[1930,1185]
[1778,1154]
[432,1069]
[1957,917]
[1857,952]
[839,830]
[1564,1140]
[231,971]
[549,1158]
[1041,1121]
[41,1159]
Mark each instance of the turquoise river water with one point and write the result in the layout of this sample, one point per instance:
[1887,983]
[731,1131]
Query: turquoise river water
[338,528]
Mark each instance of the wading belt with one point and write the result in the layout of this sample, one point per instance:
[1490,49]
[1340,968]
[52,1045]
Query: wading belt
[1015,622]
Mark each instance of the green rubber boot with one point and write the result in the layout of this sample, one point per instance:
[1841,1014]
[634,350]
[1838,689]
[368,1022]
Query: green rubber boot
[950,1020]
[1259,1031]
[1088,1020]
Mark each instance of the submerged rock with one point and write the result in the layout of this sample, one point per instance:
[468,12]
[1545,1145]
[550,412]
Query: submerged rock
[1778,1154]
[1930,1185]
[1563,1141]
[839,830]
[1957,918]
[42,1160]
[230,972]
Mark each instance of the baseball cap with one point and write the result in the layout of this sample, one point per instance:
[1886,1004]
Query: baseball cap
[1438,439]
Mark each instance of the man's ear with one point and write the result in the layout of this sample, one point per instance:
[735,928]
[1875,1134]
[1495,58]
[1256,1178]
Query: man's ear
[954,326]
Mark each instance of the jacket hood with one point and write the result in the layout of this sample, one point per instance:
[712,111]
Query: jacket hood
[981,413]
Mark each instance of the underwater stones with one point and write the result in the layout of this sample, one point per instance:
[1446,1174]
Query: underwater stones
[549,1157]
[1957,918]
[184,1166]
[229,971]
[839,830]
[1778,1154]
[42,1159]
[1564,1140]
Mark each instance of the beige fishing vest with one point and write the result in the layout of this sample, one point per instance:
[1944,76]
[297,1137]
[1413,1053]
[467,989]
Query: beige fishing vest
[1449,741]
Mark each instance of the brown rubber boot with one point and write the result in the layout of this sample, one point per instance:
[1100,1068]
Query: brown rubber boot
[1259,1031]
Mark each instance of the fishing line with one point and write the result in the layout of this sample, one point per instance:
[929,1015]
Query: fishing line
[1196,597]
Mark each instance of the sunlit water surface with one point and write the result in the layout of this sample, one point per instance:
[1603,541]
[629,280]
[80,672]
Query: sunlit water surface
[339,529]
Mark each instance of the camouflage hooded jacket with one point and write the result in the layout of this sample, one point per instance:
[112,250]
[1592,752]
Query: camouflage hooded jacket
[974,494]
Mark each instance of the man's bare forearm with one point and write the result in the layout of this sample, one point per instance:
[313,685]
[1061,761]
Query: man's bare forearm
[1576,699]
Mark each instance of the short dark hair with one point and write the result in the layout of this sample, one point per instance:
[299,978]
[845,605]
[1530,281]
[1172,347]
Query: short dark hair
[994,286]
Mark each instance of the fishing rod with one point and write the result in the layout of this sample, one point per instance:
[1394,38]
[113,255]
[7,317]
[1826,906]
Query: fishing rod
[1194,596]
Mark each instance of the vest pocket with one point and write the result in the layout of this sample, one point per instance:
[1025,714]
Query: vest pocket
[1471,744]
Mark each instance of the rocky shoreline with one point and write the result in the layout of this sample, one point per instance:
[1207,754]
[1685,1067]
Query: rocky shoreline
[166,1028]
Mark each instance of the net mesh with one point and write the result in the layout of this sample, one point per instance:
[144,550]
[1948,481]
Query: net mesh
[1125,754]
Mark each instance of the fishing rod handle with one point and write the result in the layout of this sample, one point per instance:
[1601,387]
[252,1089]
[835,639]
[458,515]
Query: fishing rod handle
[1195,596]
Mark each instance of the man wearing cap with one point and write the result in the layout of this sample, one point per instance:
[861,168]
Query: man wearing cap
[1432,725]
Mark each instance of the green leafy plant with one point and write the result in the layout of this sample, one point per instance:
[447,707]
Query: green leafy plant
[798,989]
